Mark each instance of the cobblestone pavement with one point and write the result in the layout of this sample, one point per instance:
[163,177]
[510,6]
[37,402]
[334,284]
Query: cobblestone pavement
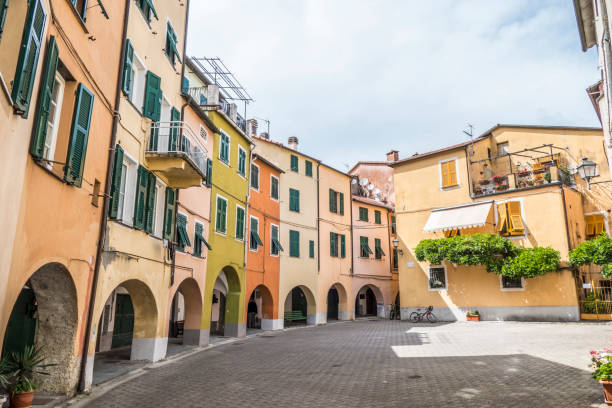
[382,364]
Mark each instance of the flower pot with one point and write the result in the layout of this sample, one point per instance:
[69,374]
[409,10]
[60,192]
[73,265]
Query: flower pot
[22,399]
[607,387]
[473,318]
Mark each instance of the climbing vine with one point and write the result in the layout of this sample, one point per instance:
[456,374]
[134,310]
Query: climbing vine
[497,254]
[597,251]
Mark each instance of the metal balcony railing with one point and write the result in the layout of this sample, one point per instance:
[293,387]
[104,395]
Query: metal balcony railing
[178,138]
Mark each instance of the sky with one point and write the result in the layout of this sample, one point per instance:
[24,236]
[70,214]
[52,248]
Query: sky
[355,79]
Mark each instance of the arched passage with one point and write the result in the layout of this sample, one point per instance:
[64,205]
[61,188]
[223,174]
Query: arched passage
[225,311]
[260,309]
[337,303]
[186,314]
[300,306]
[45,315]
[127,330]
[369,302]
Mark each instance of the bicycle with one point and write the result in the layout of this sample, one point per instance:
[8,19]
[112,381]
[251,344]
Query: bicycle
[394,312]
[427,314]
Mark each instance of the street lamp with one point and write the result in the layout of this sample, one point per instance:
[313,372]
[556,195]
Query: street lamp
[587,170]
[395,243]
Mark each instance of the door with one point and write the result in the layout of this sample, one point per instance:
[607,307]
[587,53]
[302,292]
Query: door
[21,328]
[298,301]
[370,303]
[123,329]
[332,304]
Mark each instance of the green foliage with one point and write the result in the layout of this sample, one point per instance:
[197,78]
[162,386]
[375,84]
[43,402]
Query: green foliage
[597,251]
[21,368]
[4,374]
[497,254]
[602,366]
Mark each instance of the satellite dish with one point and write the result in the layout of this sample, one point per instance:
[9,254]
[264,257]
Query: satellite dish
[354,181]
[376,191]
[370,186]
[363,182]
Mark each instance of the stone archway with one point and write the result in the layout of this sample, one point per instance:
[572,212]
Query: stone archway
[226,305]
[337,303]
[186,314]
[45,314]
[260,313]
[369,301]
[300,299]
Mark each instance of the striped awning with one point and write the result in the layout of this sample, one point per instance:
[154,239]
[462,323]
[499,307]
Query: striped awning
[460,217]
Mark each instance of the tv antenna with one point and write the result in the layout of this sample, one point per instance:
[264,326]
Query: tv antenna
[470,131]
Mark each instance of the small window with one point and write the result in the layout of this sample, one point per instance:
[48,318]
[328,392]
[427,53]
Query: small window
[255,240]
[364,247]
[294,244]
[333,244]
[203,133]
[139,76]
[395,259]
[308,166]
[448,173]
[294,200]
[239,223]
[311,249]
[171,45]
[275,245]
[221,215]
[595,225]
[255,177]
[377,217]
[199,240]
[146,6]
[224,147]
[437,278]
[274,187]
[511,283]
[378,251]
[363,214]
[294,163]
[242,161]
[393,226]
[183,236]
[502,149]
[81,7]
[510,220]
[53,120]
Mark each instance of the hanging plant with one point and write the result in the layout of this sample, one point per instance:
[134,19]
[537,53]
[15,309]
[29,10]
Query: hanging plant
[597,251]
[497,254]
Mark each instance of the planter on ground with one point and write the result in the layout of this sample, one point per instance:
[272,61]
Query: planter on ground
[607,388]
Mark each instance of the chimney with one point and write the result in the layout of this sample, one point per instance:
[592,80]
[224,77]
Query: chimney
[393,156]
[252,127]
[264,135]
[293,143]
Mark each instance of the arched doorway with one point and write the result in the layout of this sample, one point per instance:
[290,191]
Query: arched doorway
[45,315]
[332,304]
[337,303]
[186,315]
[300,307]
[127,330]
[225,310]
[369,302]
[260,309]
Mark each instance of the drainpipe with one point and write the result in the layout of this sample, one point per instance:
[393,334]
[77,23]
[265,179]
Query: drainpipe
[351,235]
[105,203]
[318,224]
[467,165]
[567,231]
[246,206]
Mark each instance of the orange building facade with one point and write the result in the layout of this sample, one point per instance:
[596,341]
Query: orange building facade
[264,248]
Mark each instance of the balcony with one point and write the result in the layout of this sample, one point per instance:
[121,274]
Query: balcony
[176,154]
[523,178]
[208,98]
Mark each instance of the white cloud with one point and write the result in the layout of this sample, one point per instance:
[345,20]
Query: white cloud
[353,79]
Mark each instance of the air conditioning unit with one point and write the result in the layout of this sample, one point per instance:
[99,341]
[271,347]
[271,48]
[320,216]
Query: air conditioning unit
[212,94]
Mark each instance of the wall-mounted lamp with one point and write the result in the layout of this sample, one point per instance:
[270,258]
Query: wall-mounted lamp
[395,243]
[587,170]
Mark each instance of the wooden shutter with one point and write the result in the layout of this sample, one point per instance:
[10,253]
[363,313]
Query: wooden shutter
[209,172]
[28,57]
[332,200]
[333,245]
[128,78]
[113,209]
[3,7]
[377,217]
[590,225]
[311,249]
[221,215]
[77,147]
[150,203]
[47,83]
[294,243]
[294,163]
[342,246]
[452,173]
[341,197]
[169,214]
[141,198]
[502,218]
[239,223]
[297,200]
[514,215]
[153,97]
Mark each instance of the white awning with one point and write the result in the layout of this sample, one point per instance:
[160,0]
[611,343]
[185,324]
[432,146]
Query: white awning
[464,216]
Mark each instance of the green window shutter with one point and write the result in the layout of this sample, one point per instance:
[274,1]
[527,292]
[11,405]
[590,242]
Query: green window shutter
[341,196]
[128,79]
[175,116]
[141,198]
[379,253]
[82,11]
[254,177]
[311,249]
[332,200]
[333,245]
[3,8]
[395,258]
[183,240]
[28,57]
[377,219]
[274,188]
[296,200]
[47,83]
[224,148]
[363,214]
[254,240]
[169,214]
[197,241]
[220,222]
[209,172]
[393,224]
[308,168]
[294,244]
[171,41]
[294,163]
[185,85]
[239,223]
[342,246]
[242,162]
[113,209]
[77,147]
[365,247]
[153,97]
[150,207]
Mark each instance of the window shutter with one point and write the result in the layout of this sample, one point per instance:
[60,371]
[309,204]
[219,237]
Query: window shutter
[175,117]
[128,79]
[332,244]
[169,214]
[77,147]
[294,163]
[3,7]
[599,223]
[297,200]
[150,208]
[221,215]
[28,57]
[45,95]
[332,200]
[590,225]
[294,243]
[501,211]
[239,223]
[341,203]
[153,97]
[185,85]
[452,173]
[141,198]
[342,246]
[377,218]
[208,172]
[516,221]
[116,183]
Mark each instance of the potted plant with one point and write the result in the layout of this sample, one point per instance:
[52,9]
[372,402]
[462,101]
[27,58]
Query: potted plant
[602,365]
[539,181]
[472,316]
[530,183]
[499,179]
[501,187]
[522,184]
[4,382]
[484,182]
[21,368]
[548,177]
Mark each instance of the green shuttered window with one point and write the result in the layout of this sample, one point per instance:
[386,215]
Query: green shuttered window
[294,200]
[294,163]
[169,214]
[141,196]
[255,240]
[113,210]
[393,227]
[175,117]
[171,45]
[183,236]
[377,218]
[311,249]
[395,259]
[342,246]
[150,202]
[332,201]
[333,244]
[224,148]
[81,8]
[276,246]
[379,253]
[27,61]
[363,214]
[341,204]
[308,165]
[128,71]
[209,173]
[294,244]
[364,247]
[274,187]
[146,6]
[3,8]
[45,96]
[255,177]
[242,162]
[153,97]
[199,239]
[77,147]
[221,217]
[239,223]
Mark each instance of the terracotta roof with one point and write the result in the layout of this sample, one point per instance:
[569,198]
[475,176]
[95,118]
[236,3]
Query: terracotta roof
[373,202]
[369,163]
[431,153]
[262,159]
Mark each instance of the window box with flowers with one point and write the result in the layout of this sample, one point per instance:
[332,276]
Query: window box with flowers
[472,316]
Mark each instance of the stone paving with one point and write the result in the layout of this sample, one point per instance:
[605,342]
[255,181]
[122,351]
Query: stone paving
[382,364]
